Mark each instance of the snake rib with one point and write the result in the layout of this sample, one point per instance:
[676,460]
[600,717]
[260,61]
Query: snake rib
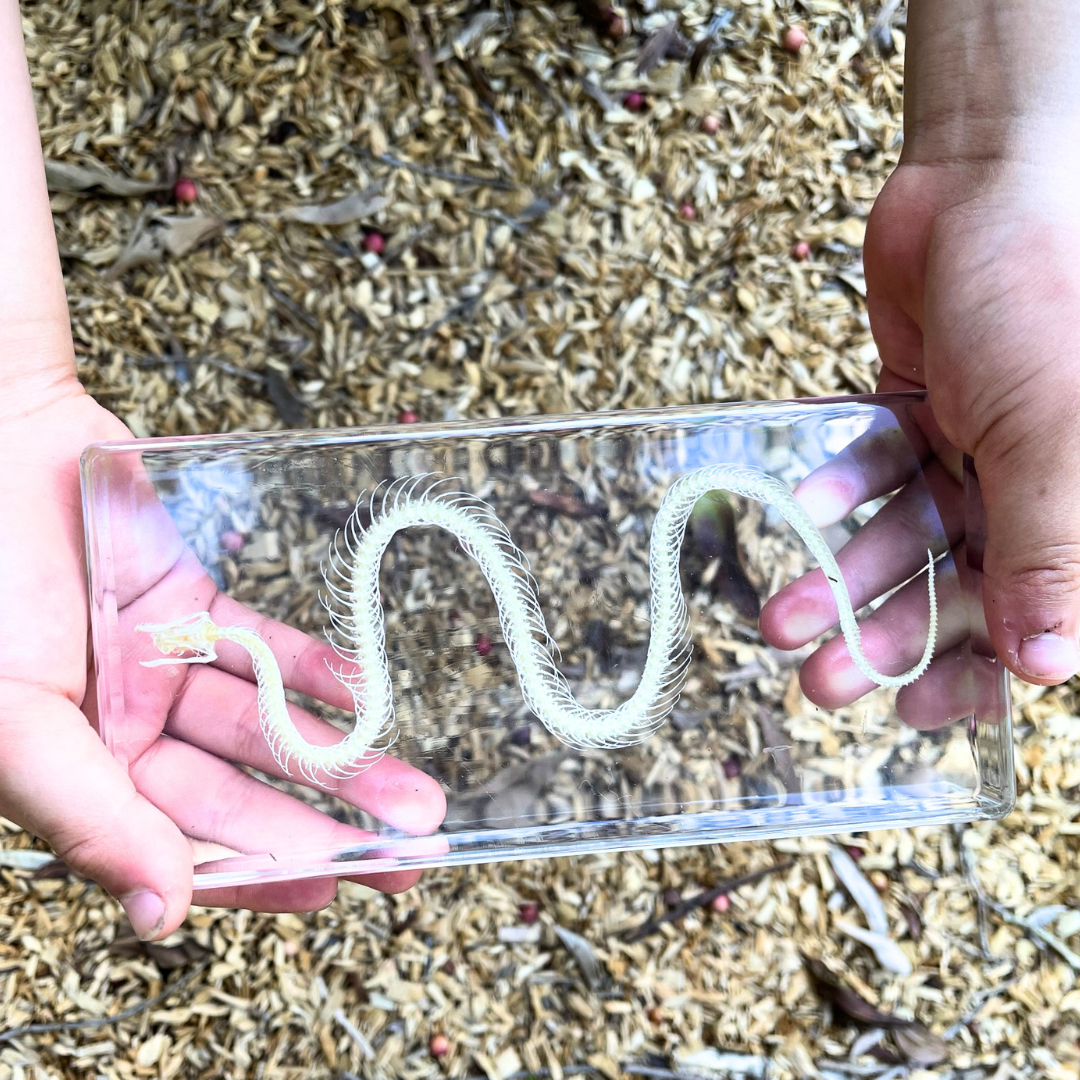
[357,618]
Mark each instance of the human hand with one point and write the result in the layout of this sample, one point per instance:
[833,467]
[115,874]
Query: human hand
[973,291]
[57,779]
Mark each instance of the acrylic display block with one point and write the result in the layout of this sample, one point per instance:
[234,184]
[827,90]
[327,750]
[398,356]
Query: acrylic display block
[496,713]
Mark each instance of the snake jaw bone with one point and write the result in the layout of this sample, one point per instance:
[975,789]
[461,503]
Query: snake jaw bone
[191,634]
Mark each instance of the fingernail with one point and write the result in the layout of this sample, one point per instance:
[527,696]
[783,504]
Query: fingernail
[826,501]
[1050,657]
[146,912]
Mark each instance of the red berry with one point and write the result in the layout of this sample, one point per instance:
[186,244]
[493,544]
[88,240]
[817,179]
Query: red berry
[407,416]
[529,910]
[687,211]
[855,852]
[439,1046]
[710,124]
[185,191]
[375,242]
[616,27]
[483,645]
[800,251]
[721,903]
[793,38]
[635,101]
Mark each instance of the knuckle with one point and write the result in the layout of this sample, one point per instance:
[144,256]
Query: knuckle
[1055,570]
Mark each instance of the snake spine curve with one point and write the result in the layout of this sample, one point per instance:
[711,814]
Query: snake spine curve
[356,614]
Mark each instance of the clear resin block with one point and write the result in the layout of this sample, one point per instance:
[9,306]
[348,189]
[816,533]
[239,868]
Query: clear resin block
[343,652]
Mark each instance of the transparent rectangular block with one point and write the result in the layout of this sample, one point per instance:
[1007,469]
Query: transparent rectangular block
[549,630]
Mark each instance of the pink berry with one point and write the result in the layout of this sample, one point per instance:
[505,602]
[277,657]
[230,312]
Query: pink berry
[855,852]
[529,910]
[687,211]
[483,645]
[800,251]
[375,242]
[635,101]
[710,124]
[721,903]
[407,416]
[185,191]
[732,766]
[439,1046]
[232,540]
[793,38]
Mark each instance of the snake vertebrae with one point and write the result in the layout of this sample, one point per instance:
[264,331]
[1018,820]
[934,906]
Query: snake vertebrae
[357,617]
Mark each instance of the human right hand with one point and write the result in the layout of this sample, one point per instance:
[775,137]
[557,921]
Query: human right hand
[973,291]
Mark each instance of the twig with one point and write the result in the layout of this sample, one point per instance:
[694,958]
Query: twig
[738,1064]
[221,365]
[435,174]
[704,899]
[104,1021]
[979,1001]
[968,860]
[295,312]
[542,1074]
[1041,935]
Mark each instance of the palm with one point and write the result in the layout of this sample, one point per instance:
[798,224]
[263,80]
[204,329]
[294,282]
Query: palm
[967,269]
[184,732]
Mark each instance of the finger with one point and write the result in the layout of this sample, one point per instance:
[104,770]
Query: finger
[927,514]
[876,463]
[307,894]
[61,783]
[210,799]
[219,713]
[958,684]
[34,327]
[893,638]
[1031,493]
[306,665]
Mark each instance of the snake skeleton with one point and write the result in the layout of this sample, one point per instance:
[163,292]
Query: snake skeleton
[356,614]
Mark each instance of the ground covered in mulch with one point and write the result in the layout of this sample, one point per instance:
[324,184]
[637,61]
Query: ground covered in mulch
[436,211]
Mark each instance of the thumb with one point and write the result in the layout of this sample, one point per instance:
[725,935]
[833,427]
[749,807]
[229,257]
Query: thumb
[58,780]
[1030,485]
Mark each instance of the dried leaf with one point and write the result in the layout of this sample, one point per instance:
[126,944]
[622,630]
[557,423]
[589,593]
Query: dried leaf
[66,177]
[848,1001]
[283,44]
[600,96]
[889,955]
[353,207]
[418,46]
[698,57]
[564,504]
[710,1061]
[713,532]
[859,889]
[169,957]
[584,956]
[290,406]
[25,858]
[54,870]
[163,235]
[920,1045]
[509,800]
[473,31]
[667,43]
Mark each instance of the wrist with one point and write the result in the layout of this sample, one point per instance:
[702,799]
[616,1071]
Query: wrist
[991,81]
